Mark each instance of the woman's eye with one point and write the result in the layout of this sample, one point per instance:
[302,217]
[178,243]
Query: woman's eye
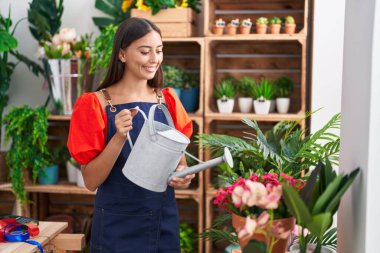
[159,52]
[144,53]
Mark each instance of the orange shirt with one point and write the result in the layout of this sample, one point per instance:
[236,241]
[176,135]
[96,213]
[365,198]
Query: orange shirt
[88,125]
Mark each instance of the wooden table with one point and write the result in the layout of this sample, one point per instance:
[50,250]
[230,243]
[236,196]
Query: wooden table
[48,231]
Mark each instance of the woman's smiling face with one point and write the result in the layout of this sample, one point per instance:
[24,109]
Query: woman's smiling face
[144,56]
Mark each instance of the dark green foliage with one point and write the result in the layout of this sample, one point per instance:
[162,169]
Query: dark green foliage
[225,89]
[27,129]
[284,148]
[44,18]
[8,45]
[246,86]
[112,8]
[283,86]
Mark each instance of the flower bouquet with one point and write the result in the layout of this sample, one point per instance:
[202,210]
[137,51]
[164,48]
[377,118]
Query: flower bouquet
[259,215]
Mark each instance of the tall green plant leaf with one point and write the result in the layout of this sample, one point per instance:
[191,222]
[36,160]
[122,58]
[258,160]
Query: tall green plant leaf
[7,42]
[327,195]
[296,205]
[319,224]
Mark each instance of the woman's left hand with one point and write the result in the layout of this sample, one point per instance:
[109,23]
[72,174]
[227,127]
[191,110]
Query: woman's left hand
[181,183]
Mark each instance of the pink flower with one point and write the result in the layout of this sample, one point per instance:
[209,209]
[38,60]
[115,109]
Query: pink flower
[56,40]
[263,219]
[67,35]
[249,228]
[273,198]
[255,195]
[237,195]
[65,48]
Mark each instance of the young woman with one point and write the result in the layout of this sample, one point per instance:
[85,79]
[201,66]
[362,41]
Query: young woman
[127,218]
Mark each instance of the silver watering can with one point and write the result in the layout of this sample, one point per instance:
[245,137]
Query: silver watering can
[157,152]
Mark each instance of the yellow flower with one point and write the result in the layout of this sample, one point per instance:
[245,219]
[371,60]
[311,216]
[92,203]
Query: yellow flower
[125,5]
[141,6]
[184,4]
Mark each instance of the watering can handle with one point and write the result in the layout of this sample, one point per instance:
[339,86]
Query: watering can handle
[152,129]
[145,118]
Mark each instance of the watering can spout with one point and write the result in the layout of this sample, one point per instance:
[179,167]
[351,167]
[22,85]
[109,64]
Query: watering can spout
[226,158]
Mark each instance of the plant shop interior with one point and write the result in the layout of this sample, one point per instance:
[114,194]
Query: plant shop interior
[270,125]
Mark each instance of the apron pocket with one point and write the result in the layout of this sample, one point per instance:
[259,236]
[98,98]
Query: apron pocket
[124,232]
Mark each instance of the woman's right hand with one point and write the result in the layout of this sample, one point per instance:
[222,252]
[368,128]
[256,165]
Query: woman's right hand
[123,122]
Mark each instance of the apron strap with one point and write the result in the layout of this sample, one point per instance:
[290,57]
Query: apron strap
[108,99]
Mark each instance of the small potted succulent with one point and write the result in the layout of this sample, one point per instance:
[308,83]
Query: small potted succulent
[232,26]
[275,25]
[261,25]
[263,93]
[290,25]
[245,86]
[284,88]
[225,94]
[218,27]
[245,26]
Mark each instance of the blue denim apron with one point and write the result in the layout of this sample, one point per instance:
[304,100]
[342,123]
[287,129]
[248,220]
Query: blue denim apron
[128,218]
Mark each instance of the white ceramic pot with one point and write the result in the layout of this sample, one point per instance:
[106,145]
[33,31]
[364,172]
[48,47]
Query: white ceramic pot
[71,172]
[295,248]
[283,105]
[261,106]
[225,105]
[245,104]
[272,107]
[80,181]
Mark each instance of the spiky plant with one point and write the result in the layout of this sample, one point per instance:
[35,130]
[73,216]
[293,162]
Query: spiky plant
[283,86]
[225,89]
[264,89]
[284,148]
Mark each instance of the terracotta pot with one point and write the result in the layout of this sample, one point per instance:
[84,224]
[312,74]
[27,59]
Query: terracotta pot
[261,28]
[244,29]
[290,28]
[231,30]
[238,222]
[217,30]
[275,28]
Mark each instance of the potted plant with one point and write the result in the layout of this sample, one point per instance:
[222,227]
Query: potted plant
[275,25]
[245,26]
[218,27]
[173,77]
[27,129]
[187,238]
[8,47]
[284,88]
[225,94]
[261,25]
[315,206]
[55,156]
[232,26]
[258,214]
[263,93]
[245,88]
[190,93]
[290,25]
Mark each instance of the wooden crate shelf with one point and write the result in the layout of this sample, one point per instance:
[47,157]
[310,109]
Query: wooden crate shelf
[242,9]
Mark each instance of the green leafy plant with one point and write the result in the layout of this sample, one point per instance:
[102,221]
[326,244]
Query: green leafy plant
[315,205]
[262,21]
[275,20]
[116,10]
[283,86]
[44,17]
[173,76]
[191,79]
[8,46]
[225,89]
[102,50]
[289,20]
[156,5]
[284,148]
[27,129]
[246,85]
[264,89]
[187,239]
